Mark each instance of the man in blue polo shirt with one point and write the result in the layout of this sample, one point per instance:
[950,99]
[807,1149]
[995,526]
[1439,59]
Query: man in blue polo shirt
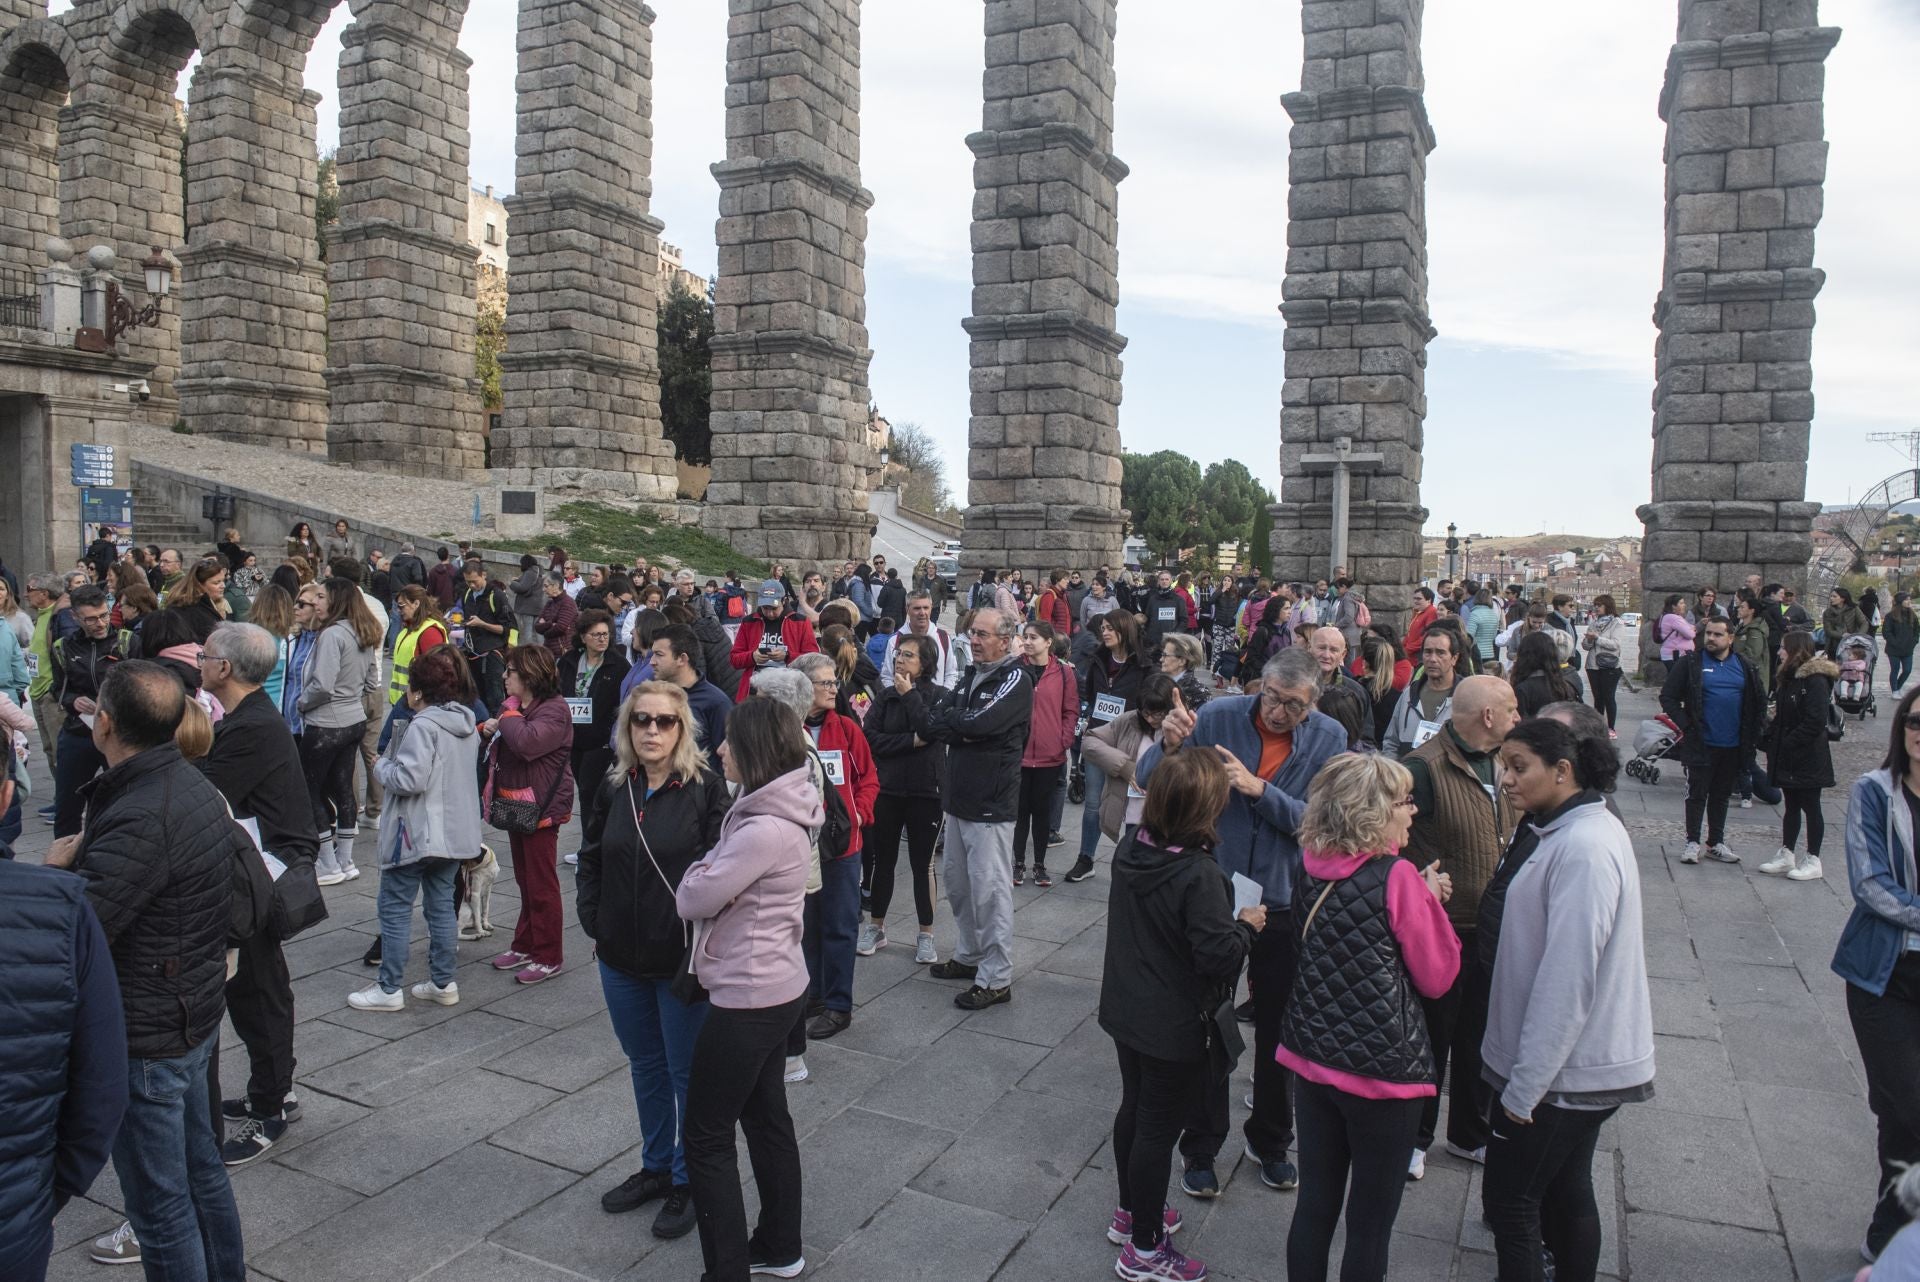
[1720,707]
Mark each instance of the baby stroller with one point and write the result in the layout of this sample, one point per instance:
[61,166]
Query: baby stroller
[1653,742]
[1853,692]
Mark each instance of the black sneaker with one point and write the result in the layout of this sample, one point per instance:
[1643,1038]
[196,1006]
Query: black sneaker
[1244,1011]
[238,1110]
[676,1218]
[978,998]
[255,1136]
[1081,870]
[773,1268]
[826,1024]
[1200,1181]
[372,956]
[952,970]
[1276,1174]
[1019,874]
[1041,877]
[1055,839]
[636,1191]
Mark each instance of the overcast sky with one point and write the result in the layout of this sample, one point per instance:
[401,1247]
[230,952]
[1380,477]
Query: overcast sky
[1544,210]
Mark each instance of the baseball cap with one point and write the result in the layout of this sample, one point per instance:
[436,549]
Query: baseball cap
[772,592]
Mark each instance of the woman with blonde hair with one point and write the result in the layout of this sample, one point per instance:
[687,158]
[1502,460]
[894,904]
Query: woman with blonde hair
[657,813]
[1373,942]
[859,679]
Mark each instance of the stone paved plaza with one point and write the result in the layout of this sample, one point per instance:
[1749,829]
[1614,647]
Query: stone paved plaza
[473,1142]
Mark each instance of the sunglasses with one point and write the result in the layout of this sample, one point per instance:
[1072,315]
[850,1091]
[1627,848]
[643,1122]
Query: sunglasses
[1913,721]
[659,721]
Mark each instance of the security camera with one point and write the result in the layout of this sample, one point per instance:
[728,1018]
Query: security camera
[139,389]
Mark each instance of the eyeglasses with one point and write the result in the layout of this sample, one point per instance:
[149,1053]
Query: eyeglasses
[1407,803]
[1292,707]
[662,721]
[831,683]
[1913,722]
[981,632]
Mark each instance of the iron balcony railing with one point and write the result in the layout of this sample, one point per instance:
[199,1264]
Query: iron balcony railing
[19,298]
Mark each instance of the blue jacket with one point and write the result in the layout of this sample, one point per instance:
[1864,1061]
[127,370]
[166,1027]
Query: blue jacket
[63,1061]
[710,706]
[1886,884]
[862,597]
[1257,837]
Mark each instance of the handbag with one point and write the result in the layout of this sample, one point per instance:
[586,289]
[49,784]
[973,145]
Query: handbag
[518,814]
[685,985]
[1225,1042]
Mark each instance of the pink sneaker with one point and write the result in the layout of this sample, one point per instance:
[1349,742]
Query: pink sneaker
[534,972]
[1120,1232]
[1165,1264]
[509,960]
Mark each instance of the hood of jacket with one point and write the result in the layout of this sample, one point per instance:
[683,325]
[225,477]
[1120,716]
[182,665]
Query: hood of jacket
[1818,666]
[790,796]
[450,718]
[1151,868]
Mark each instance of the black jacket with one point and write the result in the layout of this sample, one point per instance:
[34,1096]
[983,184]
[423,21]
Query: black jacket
[256,766]
[1153,603]
[983,721]
[202,616]
[1174,949]
[1123,683]
[1682,699]
[1798,752]
[604,691]
[406,570]
[904,770]
[716,652]
[891,600]
[157,853]
[80,665]
[625,906]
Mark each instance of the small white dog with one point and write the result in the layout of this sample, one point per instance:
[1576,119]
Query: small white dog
[476,904]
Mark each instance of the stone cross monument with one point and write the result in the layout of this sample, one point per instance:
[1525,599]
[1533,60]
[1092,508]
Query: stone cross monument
[1043,458]
[1733,401]
[1342,463]
[1356,299]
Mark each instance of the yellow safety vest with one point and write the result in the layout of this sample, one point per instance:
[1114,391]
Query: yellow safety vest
[403,647]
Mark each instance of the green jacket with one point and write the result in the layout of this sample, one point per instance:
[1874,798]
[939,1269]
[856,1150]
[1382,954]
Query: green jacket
[43,665]
[1753,643]
[1840,622]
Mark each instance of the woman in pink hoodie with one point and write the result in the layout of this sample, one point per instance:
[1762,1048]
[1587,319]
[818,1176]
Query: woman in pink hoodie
[1373,942]
[746,899]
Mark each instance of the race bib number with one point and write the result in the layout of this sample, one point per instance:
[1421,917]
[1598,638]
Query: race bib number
[1166,614]
[33,664]
[1108,706]
[1427,730]
[582,710]
[836,765]
[1135,792]
[459,637]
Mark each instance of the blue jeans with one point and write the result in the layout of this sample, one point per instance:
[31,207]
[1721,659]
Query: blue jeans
[1899,668]
[393,627]
[1090,816]
[657,1031]
[832,924]
[175,1187]
[431,881]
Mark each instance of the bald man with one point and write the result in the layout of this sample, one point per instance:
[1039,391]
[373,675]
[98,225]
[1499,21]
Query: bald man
[1463,820]
[1329,648]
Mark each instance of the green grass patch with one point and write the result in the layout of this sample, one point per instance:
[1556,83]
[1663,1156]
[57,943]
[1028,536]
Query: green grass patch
[611,535]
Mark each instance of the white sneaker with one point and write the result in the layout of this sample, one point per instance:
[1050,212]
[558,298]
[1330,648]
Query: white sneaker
[349,874]
[374,997]
[1691,855]
[1417,1168]
[872,939]
[1468,1154]
[1807,869]
[1780,865]
[1746,803]
[796,1069]
[1721,853]
[331,878]
[432,992]
[119,1246]
[571,857]
[923,952]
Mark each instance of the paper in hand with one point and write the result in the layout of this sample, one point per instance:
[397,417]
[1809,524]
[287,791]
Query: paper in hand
[1246,893]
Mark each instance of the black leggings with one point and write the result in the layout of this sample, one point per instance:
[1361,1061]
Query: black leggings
[1342,1134]
[1156,1098]
[919,819]
[1605,683]
[1037,786]
[1801,801]
[1539,1191]
[327,754]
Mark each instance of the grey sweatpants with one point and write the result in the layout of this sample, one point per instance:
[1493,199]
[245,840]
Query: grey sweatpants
[977,866]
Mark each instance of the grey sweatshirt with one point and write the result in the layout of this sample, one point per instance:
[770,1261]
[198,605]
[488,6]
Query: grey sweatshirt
[1570,1009]
[433,809]
[339,673]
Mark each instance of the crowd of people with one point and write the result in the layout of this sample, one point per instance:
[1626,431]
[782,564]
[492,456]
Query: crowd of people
[1404,843]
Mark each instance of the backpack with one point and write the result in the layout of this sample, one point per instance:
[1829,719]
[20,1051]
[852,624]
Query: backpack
[836,833]
[1362,616]
[736,607]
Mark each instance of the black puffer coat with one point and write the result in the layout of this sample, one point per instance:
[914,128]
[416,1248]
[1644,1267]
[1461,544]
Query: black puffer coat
[626,907]
[904,770]
[157,855]
[1798,753]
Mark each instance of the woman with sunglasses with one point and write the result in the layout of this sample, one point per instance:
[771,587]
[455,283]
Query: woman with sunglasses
[1373,942]
[1878,958]
[657,812]
[533,743]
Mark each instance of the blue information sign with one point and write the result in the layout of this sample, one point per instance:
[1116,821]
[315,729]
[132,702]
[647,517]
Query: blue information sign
[106,506]
[92,464]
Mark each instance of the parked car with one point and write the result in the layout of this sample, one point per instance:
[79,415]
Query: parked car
[948,568]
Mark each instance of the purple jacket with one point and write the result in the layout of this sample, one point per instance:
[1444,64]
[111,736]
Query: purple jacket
[535,745]
[749,891]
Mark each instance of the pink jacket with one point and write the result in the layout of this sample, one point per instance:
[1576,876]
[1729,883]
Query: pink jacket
[749,891]
[1056,707]
[1427,944]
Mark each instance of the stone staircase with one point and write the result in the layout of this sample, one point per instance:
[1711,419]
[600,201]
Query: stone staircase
[155,522]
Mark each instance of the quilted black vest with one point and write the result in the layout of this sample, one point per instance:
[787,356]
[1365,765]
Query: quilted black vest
[1353,1006]
[38,915]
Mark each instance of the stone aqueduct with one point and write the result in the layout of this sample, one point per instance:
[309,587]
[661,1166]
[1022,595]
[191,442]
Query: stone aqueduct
[369,357]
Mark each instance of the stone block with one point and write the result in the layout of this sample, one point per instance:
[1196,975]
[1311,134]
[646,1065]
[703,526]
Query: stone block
[1777,481]
[1713,130]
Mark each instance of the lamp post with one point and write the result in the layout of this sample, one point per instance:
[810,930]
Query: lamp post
[1453,551]
[122,315]
[1466,564]
[1900,555]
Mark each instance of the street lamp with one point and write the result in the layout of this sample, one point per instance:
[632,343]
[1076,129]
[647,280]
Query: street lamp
[1453,551]
[121,313]
[1466,565]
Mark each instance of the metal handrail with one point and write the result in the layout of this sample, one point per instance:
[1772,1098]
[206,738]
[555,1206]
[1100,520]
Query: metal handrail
[19,298]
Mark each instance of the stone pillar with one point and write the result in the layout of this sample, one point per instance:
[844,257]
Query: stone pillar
[581,375]
[790,352]
[1355,297]
[252,295]
[33,85]
[1733,402]
[1043,457]
[399,268]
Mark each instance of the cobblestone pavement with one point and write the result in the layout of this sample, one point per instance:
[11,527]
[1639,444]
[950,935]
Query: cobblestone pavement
[474,1141]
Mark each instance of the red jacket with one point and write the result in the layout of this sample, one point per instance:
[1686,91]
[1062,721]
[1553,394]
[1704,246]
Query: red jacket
[859,780]
[1056,707]
[1417,630]
[1193,611]
[1052,608]
[795,631]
